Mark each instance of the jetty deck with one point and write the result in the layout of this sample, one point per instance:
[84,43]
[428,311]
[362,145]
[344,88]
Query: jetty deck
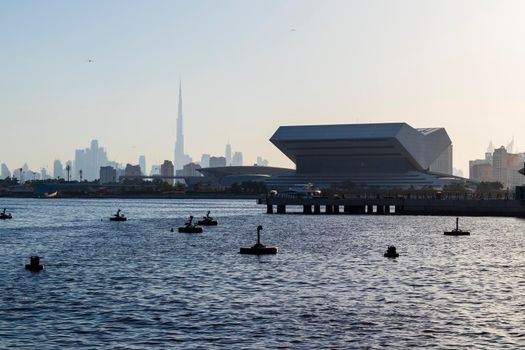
[394,206]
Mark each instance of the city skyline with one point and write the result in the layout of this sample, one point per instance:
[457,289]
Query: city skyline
[250,68]
[90,160]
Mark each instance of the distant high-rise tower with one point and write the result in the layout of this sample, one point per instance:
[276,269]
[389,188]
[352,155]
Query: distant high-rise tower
[89,160]
[228,154]
[142,164]
[205,160]
[166,169]
[58,169]
[180,157]
[237,159]
[4,171]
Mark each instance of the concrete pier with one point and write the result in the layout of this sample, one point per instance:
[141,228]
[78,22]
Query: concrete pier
[398,206]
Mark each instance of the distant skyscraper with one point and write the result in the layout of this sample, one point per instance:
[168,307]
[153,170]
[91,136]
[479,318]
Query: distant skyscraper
[58,169]
[89,160]
[228,154]
[4,171]
[108,174]
[43,174]
[505,168]
[237,159]
[205,160]
[18,173]
[217,162]
[166,169]
[191,170]
[510,146]
[490,148]
[261,161]
[142,163]
[180,157]
[132,170]
[155,170]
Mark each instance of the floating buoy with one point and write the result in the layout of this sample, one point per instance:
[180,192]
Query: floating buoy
[207,220]
[457,231]
[118,217]
[189,227]
[34,264]
[4,215]
[259,248]
[391,252]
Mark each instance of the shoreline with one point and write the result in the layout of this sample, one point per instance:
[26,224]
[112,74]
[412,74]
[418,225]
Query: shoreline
[149,196]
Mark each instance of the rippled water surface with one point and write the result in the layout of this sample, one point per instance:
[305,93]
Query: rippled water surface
[136,285]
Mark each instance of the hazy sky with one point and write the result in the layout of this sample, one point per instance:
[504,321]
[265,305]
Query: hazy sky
[248,67]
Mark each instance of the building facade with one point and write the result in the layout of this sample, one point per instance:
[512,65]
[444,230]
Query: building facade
[4,171]
[180,157]
[142,164]
[228,154]
[205,160]
[505,168]
[132,170]
[499,165]
[89,160]
[190,169]
[58,169]
[370,155]
[167,169]
[217,162]
[107,175]
[237,159]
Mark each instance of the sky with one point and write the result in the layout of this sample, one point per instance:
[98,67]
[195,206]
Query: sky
[248,67]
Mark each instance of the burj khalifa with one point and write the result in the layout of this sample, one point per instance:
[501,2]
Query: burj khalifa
[181,158]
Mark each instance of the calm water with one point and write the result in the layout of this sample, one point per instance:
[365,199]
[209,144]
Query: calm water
[136,285]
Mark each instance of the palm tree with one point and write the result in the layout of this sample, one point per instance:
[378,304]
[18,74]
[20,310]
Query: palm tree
[68,169]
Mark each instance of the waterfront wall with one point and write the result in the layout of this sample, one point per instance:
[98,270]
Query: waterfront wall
[394,206]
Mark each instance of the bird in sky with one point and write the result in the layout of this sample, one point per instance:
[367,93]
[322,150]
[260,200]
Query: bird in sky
[90,60]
